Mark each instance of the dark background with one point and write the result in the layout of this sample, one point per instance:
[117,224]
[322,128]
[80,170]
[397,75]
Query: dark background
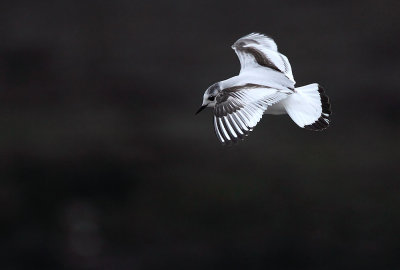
[104,165]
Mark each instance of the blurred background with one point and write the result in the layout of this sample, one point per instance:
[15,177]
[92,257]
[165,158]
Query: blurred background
[104,165]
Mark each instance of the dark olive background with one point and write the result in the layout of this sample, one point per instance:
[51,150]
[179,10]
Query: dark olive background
[104,165]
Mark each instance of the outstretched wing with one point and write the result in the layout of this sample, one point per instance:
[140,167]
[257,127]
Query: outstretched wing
[240,108]
[259,50]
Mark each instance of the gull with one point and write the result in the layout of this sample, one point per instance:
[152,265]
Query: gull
[265,85]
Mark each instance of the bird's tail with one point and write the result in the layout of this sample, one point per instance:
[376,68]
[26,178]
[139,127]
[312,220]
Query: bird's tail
[309,107]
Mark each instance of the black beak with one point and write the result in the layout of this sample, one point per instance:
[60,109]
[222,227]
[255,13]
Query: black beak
[201,108]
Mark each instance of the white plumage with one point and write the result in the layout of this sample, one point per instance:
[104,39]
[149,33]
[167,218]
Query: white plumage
[265,85]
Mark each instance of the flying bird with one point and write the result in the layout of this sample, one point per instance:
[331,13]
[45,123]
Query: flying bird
[265,85]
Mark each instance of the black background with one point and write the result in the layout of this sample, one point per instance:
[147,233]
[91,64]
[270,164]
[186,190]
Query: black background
[105,166]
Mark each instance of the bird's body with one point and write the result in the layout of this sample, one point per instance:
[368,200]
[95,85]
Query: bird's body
[261,76]
[265,85]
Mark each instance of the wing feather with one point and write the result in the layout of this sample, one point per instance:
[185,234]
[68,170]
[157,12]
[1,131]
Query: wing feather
[239,109]
[220,138]
[259,50]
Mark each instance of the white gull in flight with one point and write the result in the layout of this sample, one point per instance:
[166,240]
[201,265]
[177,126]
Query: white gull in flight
[265,85]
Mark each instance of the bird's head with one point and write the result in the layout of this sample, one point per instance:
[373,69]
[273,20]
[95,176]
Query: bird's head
[209,97]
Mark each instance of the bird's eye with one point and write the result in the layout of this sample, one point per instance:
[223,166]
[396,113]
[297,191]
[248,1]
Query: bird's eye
[211,98]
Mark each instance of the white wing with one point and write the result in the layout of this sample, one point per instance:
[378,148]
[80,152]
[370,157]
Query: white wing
[240,108]
[256,50]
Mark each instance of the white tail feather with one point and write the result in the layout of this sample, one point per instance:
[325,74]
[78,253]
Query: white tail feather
[309,107]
